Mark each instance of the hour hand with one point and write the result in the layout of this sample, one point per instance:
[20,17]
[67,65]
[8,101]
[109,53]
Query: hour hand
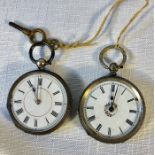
[39,90]
[33,89]
[31,86]
[115,94]
[112,94]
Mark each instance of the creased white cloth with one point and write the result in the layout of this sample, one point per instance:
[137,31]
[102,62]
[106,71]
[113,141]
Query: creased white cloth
[70,20]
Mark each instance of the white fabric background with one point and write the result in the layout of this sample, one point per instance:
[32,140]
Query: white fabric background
[70,20]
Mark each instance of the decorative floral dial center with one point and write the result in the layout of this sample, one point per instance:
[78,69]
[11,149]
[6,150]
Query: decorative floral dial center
[110,110]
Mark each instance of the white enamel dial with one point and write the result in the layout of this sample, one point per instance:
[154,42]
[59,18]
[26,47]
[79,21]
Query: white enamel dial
[111,109]
[38,101]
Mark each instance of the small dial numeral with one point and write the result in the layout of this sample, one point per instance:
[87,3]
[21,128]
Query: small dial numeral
[112,87]
[58,103]
[40,81]
[132,111]
[57,92]
[21,91]
[93,97]
[102,89]
[129,122]
[47,120]
[99,127]
[132,99]
[92,118]
[109,131]
[26,119]
[91,107]
[29,83]
[54,113]
[123,91]
[19,111]
[49,85]
[121,130]
[18,101]
[35,123]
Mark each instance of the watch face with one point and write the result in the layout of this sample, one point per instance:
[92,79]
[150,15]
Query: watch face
[111,109]
[38,101]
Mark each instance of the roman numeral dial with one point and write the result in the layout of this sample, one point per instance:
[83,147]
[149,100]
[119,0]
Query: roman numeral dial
[38,101]
[111,109]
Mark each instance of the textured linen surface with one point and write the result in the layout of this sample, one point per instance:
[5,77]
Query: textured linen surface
[70,20]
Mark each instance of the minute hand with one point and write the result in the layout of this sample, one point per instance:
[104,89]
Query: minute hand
[115,94]
[39,90]
[31,86]
[34,91]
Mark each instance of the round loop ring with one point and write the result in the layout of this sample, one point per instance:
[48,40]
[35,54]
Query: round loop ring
[33,35]
[113,67]
[41,63]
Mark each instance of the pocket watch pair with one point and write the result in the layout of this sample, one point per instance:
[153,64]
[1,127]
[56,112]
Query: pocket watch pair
[111,108]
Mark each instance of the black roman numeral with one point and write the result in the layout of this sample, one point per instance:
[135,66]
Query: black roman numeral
[40,81]
[19,111]
[102,89]
[123,91]
[54,113]
[49,85]
[57,92]
[93,97]
[132,111]
[47,120]
[91,107]
[29,83]
[121,130]
[18,101]
[91,118]
[132,99]
[35,123]
[112,87]
[21,91]
[129,122]
[99,127]
[58,103]
[109,132]
[26,119]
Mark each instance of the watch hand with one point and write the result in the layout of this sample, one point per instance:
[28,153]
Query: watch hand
[112,96]
[115,94]
[38,91]
[37,88]
[39,94]
[34,90]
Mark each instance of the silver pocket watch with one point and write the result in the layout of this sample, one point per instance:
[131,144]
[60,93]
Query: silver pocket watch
[112,108]
[39,100]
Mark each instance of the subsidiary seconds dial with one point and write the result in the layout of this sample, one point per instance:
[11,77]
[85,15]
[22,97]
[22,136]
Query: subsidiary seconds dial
[111,109]
[38,101]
